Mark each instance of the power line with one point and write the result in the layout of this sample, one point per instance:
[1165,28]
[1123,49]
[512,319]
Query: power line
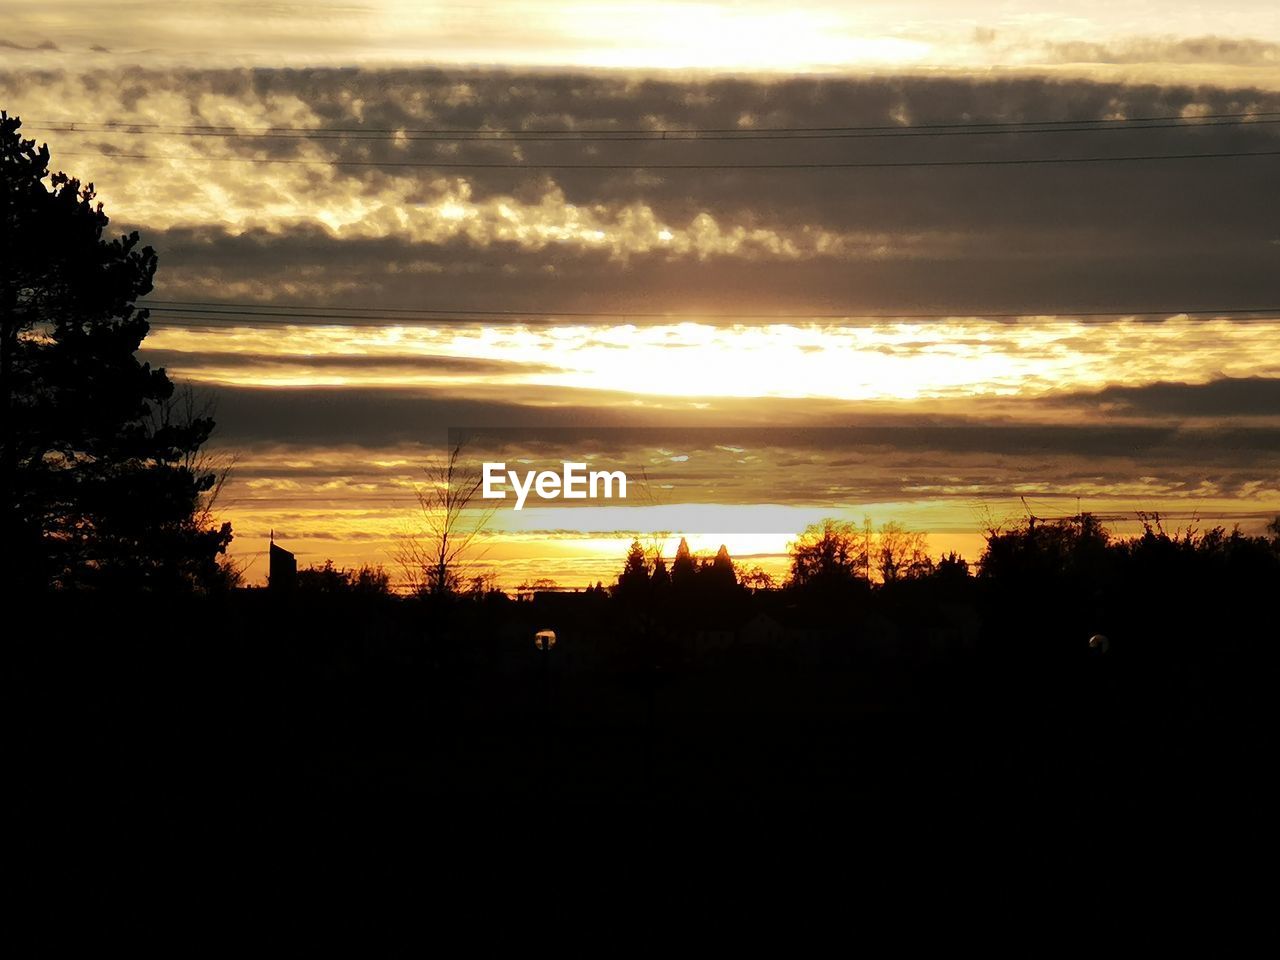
[930,128]
[630,136]
[200,312]
[538,165]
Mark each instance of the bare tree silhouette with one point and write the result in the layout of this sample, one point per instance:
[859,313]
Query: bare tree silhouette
[901,554]
[831,551]
[434,555]
[180,411]
[656,539]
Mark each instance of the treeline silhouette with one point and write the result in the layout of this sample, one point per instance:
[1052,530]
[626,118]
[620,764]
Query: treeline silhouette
[1040,591]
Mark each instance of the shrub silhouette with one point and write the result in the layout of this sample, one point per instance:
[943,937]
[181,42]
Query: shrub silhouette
[327,579]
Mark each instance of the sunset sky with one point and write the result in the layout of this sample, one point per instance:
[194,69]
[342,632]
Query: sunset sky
[929,335]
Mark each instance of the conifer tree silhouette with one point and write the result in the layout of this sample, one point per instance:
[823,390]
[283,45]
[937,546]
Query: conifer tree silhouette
[101,483]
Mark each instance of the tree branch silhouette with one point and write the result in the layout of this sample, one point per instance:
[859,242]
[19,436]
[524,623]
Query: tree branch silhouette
[434,554]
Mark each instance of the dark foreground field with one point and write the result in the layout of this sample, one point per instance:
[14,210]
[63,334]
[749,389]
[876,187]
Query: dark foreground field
[263,736]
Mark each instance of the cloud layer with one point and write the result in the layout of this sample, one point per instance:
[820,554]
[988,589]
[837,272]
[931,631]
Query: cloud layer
[753,285]
[745,35]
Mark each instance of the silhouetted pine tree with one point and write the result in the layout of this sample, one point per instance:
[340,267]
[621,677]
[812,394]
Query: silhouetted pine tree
[661,577]
[683,569]
[100,483]
[633,581]
[720,572]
